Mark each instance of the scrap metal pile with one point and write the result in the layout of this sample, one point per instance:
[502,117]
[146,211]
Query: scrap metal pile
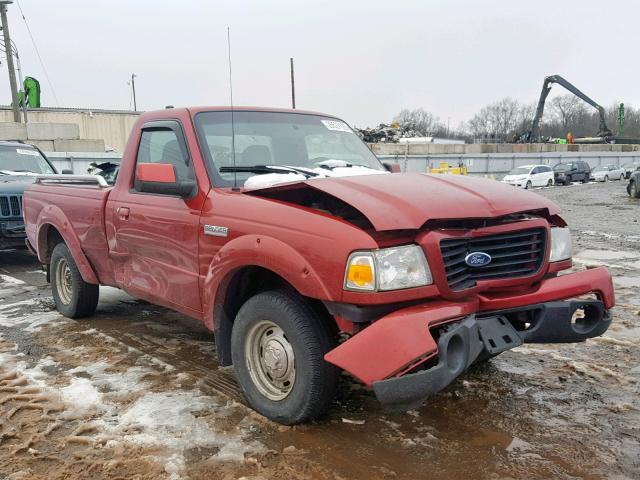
[389,133]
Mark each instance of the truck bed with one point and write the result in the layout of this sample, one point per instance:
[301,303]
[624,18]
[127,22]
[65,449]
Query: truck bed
[73,208]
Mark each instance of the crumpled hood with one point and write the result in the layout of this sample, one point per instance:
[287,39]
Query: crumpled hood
[408,200]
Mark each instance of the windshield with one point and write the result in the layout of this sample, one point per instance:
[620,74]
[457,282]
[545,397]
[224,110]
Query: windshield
[601,168]
[280,139]
[563,167]
[520,171]
[21,159]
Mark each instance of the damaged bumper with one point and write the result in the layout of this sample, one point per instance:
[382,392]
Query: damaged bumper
[415,352]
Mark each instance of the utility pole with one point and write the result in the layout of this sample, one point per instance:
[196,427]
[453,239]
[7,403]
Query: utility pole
[7,45]
[21,80]
[133,88]
[293,86]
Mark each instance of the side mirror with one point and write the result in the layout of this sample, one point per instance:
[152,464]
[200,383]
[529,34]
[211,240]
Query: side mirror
[160,178]
[67,171]
[392,167]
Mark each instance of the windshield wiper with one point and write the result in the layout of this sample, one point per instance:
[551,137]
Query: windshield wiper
[269,169]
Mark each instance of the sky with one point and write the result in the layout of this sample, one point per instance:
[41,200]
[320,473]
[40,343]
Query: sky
[363,61]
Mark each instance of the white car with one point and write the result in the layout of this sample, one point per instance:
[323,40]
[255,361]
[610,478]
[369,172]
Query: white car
[604,173]
[529,176]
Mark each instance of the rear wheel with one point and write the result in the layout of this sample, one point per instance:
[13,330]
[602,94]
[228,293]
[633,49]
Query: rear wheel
[585,179]
[278,343]
[634,192]
[74,297]
[550,183]
[606,178]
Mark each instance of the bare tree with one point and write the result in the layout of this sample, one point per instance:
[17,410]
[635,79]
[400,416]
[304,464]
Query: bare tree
[497,122]
[567,109]
[419,120]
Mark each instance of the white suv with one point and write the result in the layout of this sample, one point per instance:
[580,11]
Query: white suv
[529,176]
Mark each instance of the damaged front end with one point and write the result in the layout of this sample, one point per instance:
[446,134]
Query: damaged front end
[415,352]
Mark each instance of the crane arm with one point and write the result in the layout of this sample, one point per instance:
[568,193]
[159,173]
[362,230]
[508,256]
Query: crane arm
[546,88]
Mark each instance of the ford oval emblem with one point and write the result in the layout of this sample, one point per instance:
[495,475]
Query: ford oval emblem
[477,259]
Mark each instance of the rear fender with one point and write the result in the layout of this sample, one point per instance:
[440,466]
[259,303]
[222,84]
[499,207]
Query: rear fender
[259,251]
[53,217]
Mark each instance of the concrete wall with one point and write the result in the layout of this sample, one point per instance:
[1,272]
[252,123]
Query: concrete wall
[112,126]
[518,148]
[497,164]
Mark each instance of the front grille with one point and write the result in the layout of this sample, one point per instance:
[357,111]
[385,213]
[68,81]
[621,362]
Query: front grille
[10,206]
[513,254]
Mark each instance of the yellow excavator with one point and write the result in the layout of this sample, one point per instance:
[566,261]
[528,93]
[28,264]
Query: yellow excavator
[445,168]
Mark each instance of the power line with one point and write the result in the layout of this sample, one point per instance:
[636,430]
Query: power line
[33,41]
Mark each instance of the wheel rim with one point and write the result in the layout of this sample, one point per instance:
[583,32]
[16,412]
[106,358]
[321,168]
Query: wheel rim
[270,360]
[64,281]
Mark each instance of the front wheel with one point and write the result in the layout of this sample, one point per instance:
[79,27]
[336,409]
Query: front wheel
[528,185]
[550,183]
[278,343]
[606,178]
[634,192]
[74,297]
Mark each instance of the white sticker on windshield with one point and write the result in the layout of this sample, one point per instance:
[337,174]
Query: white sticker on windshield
[336,125]
[24,151]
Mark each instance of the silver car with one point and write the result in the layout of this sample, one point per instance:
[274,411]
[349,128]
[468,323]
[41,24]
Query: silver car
[604,173]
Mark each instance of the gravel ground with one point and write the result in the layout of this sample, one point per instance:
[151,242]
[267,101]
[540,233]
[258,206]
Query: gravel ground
[135,392]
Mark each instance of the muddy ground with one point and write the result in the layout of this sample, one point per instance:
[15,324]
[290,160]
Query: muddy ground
[135,392]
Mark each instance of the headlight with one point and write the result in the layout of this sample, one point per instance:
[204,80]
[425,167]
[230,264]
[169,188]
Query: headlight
[560,244]
[387,269]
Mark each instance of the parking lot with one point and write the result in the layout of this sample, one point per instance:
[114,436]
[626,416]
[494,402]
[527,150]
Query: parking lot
[135,392]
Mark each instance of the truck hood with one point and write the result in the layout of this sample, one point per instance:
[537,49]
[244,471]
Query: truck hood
[406,201]
[15,184]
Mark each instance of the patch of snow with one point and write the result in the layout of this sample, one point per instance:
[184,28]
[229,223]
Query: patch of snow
[14,315]
[83,396]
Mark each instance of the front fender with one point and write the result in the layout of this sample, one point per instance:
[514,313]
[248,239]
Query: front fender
[53,216]
[260,251]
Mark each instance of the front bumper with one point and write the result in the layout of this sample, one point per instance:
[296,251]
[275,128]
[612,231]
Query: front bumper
[415,352]
[12,233]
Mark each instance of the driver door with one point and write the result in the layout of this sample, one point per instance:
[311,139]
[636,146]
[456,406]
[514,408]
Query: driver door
[156,235]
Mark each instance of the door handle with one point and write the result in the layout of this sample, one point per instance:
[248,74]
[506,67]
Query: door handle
[123,213]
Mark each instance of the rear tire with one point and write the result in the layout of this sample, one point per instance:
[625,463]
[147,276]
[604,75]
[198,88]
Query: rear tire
[74,297]
[634,192]
[550,183]
[606,178]
[278,343]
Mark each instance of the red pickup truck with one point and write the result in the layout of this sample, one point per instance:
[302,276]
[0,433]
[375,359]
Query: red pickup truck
[303,254]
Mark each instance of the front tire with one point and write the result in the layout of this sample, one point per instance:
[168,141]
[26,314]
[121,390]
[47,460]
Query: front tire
[528,185]
[634,192]
[278,343]
[606,178]
[550,183]
[74,297]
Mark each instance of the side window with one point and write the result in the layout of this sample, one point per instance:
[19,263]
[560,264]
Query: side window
[546,169]
[535,171]
[165,145]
